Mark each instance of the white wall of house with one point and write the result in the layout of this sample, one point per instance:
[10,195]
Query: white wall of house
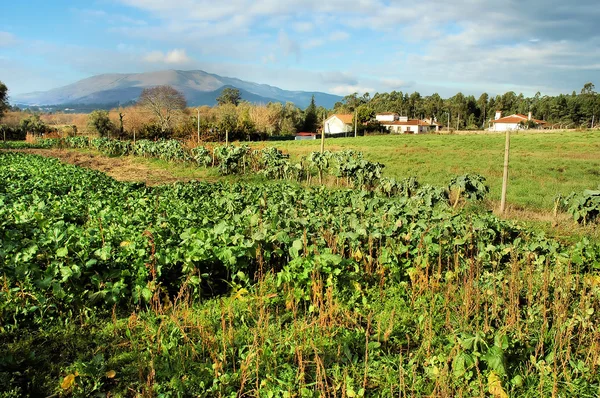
[333,125]
[506,126]
[404,129]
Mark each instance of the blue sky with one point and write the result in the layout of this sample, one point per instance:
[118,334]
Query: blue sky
[335,46]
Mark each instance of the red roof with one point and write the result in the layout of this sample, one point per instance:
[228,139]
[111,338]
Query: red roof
[305,134]
[516,118]
[345,118]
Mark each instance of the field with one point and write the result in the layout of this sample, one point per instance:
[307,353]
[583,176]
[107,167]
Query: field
[542,165]
[252,286]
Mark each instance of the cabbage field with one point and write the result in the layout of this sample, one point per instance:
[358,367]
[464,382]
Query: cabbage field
[279,289]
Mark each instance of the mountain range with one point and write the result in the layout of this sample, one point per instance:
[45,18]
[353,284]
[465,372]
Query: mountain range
[199,88]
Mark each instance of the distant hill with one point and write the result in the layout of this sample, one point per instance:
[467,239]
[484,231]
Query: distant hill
[199,88]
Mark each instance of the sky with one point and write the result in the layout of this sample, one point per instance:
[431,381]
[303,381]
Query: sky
[334,46]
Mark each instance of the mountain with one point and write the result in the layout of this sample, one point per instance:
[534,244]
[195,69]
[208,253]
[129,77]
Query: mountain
[199,88]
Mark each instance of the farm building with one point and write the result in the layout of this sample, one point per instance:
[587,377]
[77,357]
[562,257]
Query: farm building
[305,136]
[514,122]
[339,124]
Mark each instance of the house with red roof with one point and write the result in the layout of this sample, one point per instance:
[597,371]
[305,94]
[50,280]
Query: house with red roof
[404,125]
[515,122]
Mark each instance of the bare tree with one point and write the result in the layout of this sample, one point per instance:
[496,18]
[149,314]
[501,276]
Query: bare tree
[264,119]
[163,102]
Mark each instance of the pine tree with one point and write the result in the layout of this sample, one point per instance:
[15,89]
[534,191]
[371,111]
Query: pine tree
[310,117]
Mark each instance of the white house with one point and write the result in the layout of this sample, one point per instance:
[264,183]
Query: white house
[403,125]
[339,124]
[513,122]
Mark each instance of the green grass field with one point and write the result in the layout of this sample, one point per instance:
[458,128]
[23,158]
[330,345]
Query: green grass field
[541,165]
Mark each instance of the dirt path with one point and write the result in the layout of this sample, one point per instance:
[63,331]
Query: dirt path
[120,168]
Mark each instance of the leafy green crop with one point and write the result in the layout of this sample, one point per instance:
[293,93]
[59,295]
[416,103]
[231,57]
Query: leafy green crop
[269,289]
[470,186]
[584,207]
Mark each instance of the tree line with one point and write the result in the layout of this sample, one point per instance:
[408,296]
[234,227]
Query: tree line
[162,112]
[465,112]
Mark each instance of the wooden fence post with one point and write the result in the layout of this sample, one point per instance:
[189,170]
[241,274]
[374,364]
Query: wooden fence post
[323,137]
[505,174]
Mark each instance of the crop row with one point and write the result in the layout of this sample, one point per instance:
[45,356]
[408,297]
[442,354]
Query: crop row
[348,168]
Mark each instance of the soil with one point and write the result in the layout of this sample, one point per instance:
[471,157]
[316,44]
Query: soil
[119,168]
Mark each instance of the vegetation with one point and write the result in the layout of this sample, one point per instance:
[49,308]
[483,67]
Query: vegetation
[310,117]
[162,102]
[161,113]
[584,207]
[541,165]
[99,122]
[229,95]
[4,106]
[237,289]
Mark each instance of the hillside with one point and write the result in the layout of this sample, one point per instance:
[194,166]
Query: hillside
[199,87]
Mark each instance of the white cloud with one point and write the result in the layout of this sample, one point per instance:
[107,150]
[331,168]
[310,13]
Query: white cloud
[447,44]
[464,45]
[339,78]
[173,57]
[395,84]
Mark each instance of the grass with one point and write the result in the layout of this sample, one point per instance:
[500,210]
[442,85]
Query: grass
[541,165]
[178,170]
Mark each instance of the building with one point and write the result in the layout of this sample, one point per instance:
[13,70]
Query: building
[339,124]
[514,122]
[434,125]
[305,136]
[404,125]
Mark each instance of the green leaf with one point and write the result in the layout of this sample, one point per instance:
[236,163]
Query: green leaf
[62,252]
[297,246]
[494,358]
[146,294]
